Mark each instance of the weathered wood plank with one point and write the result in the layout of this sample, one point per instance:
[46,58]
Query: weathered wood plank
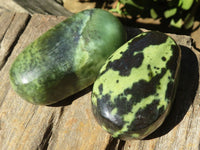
[11,28]
[44,7]
[77,5]
[3,28]
[26,126]
[70,123]
[10,5]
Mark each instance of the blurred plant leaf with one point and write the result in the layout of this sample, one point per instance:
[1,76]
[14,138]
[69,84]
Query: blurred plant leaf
[117,9]
[176,24]
[170,12]
[132,2]
[173,13]
[186,4]
[180,3]
[153,13]
[189,21]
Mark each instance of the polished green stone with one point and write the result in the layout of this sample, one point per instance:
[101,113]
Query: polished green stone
[136,86]
[67,58]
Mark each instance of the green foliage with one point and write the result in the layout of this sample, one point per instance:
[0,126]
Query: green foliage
[170,12]
[174,13]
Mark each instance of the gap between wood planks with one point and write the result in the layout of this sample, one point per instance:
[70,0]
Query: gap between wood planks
[17,37]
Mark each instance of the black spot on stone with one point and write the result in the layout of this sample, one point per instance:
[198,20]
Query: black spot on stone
[151,38]
[143,89]
[163,58]
[104,109]
[172,63]
[140,90]
[121,94]
[170,90]
[126,63]
[161,110]
[101,88]
[128,60]
[103,104]
[146,116]
[150,74]
[149,67]
[124,106]
[157,68]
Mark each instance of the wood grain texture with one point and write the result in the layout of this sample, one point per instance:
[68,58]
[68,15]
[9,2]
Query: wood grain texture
[11,27]
[10,5]
[52,7]
[70,124]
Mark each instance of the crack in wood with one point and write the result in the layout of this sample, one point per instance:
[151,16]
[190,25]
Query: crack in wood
[121,145]
[112,144]
[61,113]
[6,29]
[27,125]
[4,33]
[194,45]
[11,48]
[47,135]
[115,144]
[4,97]
[60,2]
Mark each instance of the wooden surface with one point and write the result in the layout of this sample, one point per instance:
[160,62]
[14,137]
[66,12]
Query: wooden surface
[10,5]
[77,5]
[70,125]
[52,7]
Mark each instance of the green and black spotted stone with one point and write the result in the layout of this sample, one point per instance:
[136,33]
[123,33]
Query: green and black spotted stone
[67,58]
[136,86]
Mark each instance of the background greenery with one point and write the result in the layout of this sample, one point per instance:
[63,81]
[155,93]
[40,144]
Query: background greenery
[179,14]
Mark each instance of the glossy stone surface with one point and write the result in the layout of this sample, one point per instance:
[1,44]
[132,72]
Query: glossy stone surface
[136,86]
[67,58]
